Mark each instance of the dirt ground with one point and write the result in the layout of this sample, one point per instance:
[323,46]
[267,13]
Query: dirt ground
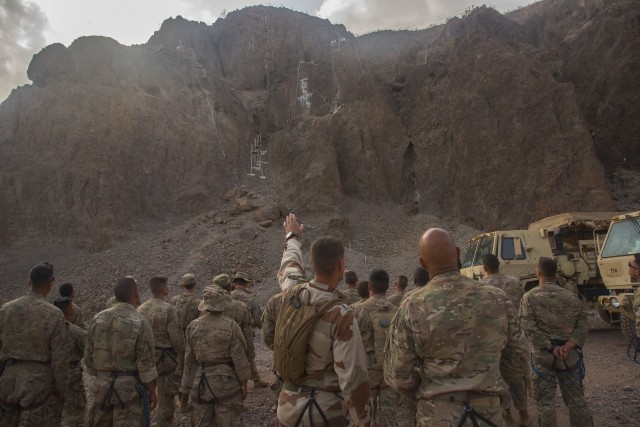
[376,236]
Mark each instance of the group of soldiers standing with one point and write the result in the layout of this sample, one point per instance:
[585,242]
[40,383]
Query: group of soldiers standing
[458,351]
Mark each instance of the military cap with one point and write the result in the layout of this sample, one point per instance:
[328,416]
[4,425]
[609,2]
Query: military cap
[242,276]
[222,280]
[188,279]
[214,299]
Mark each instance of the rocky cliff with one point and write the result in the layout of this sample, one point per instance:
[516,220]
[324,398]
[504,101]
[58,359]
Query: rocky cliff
[490,120]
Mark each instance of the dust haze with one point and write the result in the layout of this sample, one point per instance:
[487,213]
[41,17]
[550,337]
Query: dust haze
[22,26]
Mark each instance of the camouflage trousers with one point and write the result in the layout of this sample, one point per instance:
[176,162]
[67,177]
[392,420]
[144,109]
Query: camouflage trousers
[75,399]
[225,414]
[572,390]
[109,410]
[168,387]
[385,402]
[251,356]
[48,414]
[26,398]
[445,413]
[515,392]
[292,403]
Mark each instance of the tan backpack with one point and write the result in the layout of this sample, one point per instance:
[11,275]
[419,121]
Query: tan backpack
[294,324]
[380,316]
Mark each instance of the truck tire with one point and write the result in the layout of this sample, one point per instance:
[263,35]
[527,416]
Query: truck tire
[627,326]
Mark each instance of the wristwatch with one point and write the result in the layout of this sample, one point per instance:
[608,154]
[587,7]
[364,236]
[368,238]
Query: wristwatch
[290,235]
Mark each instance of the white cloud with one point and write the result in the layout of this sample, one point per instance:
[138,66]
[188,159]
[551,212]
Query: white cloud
[22,27]
[363,16]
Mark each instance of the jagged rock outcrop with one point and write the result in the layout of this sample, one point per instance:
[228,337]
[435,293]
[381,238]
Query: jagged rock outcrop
[488,119]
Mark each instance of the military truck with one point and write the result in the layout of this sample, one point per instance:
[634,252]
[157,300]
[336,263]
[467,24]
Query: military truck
[569,238]
[616,250]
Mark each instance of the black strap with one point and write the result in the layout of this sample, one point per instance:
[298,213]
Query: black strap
[475,416]
[165,351]
[309,407]
[201,385]
[111,391]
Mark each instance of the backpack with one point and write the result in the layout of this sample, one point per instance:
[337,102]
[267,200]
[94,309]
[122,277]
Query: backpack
[293,326]
[380,316]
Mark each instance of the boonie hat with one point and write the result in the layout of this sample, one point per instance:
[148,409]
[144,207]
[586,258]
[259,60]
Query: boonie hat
[214,299]
[188,280]
[242,276]
[222,280]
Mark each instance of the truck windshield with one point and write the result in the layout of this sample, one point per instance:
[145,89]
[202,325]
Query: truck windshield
[623,239]
[508,250]
[485,247]
[468,256]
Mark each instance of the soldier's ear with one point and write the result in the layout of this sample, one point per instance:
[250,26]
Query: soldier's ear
[422,263]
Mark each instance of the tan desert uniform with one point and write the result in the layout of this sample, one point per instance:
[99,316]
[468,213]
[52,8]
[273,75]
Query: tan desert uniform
[551,315]
[120,355]
[385,399]
[168,339]
[450,342]
[78,316]
[187,306]
[336,360]
[215,364]
[75,400]
[34,351]
[517,390]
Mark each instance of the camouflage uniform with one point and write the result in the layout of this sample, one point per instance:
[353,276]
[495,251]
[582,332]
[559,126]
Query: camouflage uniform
[517,390]
[254,320]
[120,355]
[384,398]
[336,361]
[168,339]
[215,364]
[34,350]
[269,318]
[349,295]
[396,298]
[111,302]
[78,316]
[75,400]
[187,306]
[636,309]
[550,316]
[450,342]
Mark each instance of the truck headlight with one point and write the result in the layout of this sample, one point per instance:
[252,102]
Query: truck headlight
[606,302]
[614,302]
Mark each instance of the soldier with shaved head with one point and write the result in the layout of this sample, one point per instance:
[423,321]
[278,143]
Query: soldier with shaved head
[452,341]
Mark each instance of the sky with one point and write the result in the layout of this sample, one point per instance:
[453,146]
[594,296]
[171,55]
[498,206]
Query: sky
[27,26]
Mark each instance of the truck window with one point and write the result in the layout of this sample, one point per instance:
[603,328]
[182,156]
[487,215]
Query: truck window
[624,239]
[468,256]
[485,247]
[508,249]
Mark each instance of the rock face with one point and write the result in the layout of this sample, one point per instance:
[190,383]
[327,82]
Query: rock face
[488,119]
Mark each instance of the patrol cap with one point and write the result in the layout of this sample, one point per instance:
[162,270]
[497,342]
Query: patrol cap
[188,280]
[242,276]
[222,280]
[214,299]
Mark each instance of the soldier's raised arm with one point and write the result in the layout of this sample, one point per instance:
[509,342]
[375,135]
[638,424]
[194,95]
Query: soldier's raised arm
[291,268]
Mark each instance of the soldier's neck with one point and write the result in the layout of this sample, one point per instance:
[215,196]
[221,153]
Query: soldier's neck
[330,282]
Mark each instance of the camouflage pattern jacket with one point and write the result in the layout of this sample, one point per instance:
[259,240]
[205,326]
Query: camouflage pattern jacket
[216,340]
[78,316]
[336,359]
[33,330]
[453,335]
[363,309]
[269,317]
[510,285]
[77,342]
[187,306]
[120,339]
[550,312]
[165,325]
[396,298]
[246,296]
[348,295]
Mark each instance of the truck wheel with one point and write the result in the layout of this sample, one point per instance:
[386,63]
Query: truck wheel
[606,316]
[627,326]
